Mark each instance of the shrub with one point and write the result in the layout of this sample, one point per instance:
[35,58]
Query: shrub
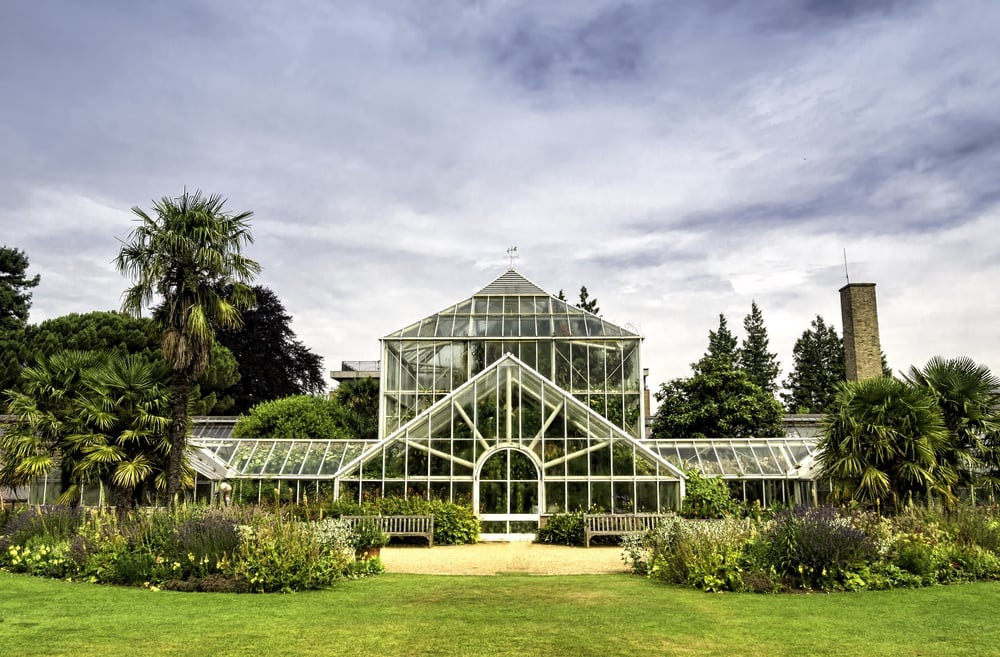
[284,556]
[49,524]
[707,497]
[817,549]
[708,555]
[366,534]
[562,529]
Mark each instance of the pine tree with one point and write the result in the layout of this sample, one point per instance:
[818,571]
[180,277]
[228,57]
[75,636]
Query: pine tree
[818,359]
[586,303]
[753,357]
[721,344]
[15,298]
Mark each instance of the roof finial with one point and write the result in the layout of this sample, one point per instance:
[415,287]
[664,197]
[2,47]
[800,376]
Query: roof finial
[512,254]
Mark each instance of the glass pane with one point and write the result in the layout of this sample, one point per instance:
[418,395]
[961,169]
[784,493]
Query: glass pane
[624,496]
[555,497]
[600,495]
[492,497]
[646,497]
[577,497]
[444,326]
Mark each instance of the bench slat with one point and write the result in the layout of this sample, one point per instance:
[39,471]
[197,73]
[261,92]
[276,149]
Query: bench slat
[619,524]
[399,525]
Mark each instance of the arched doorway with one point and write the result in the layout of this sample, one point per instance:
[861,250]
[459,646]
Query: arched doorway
[508,494]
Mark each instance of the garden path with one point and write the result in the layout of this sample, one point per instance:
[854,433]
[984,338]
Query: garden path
[501,558]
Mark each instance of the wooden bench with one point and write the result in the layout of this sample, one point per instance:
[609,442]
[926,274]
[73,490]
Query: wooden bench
[399,525]
[619,524]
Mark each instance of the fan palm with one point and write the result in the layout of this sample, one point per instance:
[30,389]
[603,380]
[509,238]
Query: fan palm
[124,409]
[44,415]
[360,399]
[186,253]
[969,397]
[883,442]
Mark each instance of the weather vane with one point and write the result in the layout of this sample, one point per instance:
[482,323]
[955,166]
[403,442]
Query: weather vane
[512,254]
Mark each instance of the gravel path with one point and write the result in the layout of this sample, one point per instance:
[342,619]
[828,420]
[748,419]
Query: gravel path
[499,558]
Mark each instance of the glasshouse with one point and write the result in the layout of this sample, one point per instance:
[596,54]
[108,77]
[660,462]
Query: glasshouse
[519,404]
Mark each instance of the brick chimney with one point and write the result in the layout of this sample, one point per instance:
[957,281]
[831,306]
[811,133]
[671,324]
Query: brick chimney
[862,349]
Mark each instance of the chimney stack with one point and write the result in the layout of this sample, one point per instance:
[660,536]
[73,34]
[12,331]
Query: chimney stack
[862,350]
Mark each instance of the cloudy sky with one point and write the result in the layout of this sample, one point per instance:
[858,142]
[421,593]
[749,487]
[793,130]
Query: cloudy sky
[681,159]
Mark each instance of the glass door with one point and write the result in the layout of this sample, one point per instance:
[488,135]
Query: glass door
[508,495]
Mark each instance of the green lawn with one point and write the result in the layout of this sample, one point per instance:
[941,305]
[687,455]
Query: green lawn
[599,615]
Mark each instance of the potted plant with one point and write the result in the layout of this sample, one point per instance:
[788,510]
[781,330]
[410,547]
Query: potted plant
[368,539]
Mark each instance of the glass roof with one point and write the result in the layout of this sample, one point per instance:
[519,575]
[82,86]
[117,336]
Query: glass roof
[279,459]
[512,306]
[740,458]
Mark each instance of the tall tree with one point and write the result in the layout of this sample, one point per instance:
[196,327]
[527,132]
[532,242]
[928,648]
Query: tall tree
[359,399]
[44,416]
[187,251]
[586,303]
[818,366]
[272,363]
[754,358]
[884,442]
[15,298]
[722,343]
[718,401]
[968,395]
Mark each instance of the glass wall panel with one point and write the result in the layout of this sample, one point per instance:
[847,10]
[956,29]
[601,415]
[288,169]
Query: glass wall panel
[600,462]
[624,496]
[555,497]
[600,495]
[461,492]
[646,501]
[577,498]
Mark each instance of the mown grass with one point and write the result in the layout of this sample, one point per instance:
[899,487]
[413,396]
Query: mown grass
[602,615]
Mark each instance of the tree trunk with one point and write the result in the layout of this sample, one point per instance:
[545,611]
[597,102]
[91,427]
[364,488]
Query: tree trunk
[180,394]
[123,502]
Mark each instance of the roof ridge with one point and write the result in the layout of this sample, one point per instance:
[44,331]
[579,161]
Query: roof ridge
[512,282]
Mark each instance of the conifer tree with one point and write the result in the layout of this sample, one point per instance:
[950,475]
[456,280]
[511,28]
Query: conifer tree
[760,364]
[818,359]
[722,344]
[15,297]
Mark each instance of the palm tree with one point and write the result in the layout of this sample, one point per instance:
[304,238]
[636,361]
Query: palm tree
[885,442]
[124,408]
[185,253]
[44,415]
[969,397]
[360,399]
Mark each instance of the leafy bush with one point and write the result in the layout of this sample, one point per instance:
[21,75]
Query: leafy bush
[196,549]
[284,556]
[298,416]
[818,549]
[366,534]
[562,529]
[707,497]
[49,524]
[707,554]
